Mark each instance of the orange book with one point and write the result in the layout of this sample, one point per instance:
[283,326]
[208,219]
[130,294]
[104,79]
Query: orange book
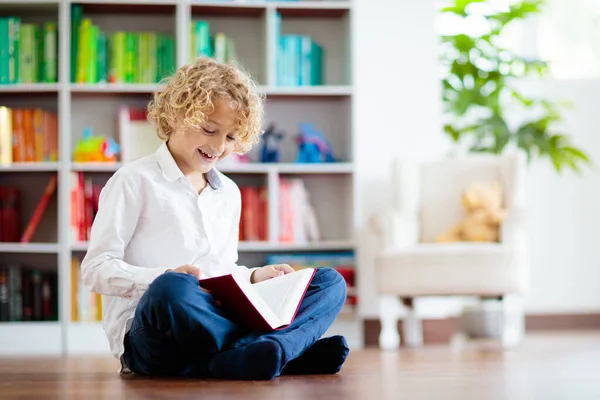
[38,128]
[39,210]
[53,138]
[18,135]
[263,216]
[74,289]
[29,132]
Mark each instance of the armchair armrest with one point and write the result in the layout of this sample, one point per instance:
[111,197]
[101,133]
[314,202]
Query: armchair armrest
[514,229]
[395,230]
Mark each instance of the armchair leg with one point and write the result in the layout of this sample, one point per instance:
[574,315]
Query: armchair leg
[514,320]
[389,338]
[412,329]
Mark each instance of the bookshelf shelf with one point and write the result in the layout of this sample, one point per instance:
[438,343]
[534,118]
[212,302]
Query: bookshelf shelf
[332,245]
[288,168]
[95,167]
[296,5]
[291,91]
[31,4]
[30,338]
[30,87]
[114,88]
[83,246]
[40,248]
[87,338]
[30,167]
[325,90]
[127,2]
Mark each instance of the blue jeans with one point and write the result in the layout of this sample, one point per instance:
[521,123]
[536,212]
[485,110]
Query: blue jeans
[178,328]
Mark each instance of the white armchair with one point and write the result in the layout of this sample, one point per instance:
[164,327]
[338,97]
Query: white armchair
[409,264]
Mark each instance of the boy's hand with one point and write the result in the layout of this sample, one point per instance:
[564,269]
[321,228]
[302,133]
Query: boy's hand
[270,271]
[189,269]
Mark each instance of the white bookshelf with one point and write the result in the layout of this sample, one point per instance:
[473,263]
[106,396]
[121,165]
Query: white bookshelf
[329,107]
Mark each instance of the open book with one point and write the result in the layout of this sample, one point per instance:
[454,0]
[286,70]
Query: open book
[267,305]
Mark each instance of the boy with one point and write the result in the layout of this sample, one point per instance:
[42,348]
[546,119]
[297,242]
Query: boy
[169,219]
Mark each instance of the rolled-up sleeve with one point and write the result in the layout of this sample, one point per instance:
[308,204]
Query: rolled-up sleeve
[103,269]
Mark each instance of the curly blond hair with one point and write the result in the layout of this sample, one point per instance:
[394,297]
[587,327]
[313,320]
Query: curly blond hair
[189,94]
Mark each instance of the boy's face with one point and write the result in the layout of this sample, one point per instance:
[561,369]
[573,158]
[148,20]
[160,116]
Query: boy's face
[198,149]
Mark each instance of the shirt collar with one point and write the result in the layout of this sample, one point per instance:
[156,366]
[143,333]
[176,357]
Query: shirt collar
[172,172]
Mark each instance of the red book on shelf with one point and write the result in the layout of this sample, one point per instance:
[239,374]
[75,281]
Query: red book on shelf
[39,210]
[264,306]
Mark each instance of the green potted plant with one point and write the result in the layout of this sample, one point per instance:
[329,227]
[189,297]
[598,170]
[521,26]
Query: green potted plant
[481,81]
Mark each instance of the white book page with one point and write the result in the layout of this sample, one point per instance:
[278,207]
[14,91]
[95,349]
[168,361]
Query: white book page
[263,308]
[283,293]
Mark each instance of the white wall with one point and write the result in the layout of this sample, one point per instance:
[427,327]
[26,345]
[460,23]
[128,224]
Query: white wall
[397,113]
[565,214]
[397,108]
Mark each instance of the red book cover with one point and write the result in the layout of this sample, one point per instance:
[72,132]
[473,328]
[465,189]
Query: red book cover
[249,213]
[89,207]
[263,220]
[264,306]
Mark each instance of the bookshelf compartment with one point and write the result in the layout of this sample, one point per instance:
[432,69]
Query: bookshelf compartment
[331,34]
[135,43]
[254,218]
[30,286]
[245,32]
[36,45]
[34,130]
[330,198]
[104,120]
[25,191]
[85,188]
[330,116]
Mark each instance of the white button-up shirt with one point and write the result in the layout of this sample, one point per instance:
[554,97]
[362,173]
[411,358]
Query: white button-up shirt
[150,219]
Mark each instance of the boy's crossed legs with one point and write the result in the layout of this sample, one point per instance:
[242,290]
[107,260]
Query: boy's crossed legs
[178,330]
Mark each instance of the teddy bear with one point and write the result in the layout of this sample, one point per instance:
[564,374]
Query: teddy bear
[484,214]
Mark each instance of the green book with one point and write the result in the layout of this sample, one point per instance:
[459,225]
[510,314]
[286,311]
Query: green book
[92,56]
[28,59]
[49,60]
[160,59]
[220,47]
[102,66]
[14,32]
[83,51]
[152,61]
[118,57]
[169,55]
[4,51]
[142,57]
[202,42]
[130,56]
[76,17]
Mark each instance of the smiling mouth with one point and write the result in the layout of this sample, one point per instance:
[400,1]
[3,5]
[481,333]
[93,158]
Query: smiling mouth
[207,156]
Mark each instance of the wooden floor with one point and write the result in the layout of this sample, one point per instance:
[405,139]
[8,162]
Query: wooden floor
[557,366]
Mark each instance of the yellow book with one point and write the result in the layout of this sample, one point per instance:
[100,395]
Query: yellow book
[74,289]
[6,150]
